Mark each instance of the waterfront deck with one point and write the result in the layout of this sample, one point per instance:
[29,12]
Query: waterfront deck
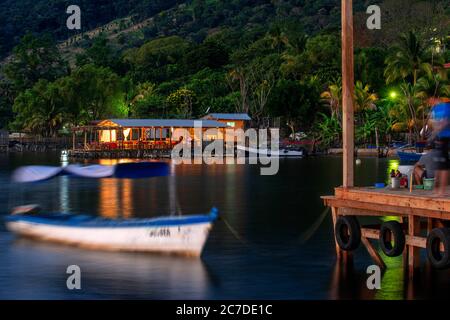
[401,202]
[420,211]
[139,153]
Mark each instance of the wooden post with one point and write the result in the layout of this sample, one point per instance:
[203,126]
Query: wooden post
[413,252]
[347,93]
[85,139]
[73,140]
[334,216]
[403,220]
[373,253]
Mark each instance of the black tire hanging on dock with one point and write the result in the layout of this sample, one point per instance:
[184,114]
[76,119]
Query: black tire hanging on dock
[392,238]
[348,233]
[438,236]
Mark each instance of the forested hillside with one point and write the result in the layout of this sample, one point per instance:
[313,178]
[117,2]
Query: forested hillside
[18,17]
[192,19]
[270,58]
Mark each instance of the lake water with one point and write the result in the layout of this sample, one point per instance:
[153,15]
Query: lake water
[270,260]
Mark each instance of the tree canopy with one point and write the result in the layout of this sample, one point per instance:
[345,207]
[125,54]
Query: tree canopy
[272,59]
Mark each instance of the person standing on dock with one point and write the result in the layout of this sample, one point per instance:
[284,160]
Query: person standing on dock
[440,119]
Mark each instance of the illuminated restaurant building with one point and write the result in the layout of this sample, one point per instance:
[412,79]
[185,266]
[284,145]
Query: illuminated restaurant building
[123,134]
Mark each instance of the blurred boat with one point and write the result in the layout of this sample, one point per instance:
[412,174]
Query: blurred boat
[409,156]
[281,153]
[185,235]
[177,234]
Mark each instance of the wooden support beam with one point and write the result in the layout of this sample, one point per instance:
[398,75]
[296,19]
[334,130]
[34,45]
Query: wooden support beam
[347,93]
[334,215]
[405,252]
[367,208]
[430,225]
[415,241]
[413,252]
[373,253]
[370,233]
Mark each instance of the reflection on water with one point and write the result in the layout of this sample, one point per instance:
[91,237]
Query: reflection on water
[110,275]
[109,198]
[348,282]
[268,212]
[393,279]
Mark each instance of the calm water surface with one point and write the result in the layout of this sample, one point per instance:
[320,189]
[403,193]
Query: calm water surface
[272,214]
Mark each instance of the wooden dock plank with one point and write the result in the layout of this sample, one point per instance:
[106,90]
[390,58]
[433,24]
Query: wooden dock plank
[419,202]
[367,208]
[417,199]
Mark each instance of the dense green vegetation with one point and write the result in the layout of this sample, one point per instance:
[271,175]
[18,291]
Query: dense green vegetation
[18,17]
[272,59]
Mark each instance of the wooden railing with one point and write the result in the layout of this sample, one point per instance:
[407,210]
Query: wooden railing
[128,145]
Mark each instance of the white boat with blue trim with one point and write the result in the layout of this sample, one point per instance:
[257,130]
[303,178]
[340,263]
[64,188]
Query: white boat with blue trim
[181,234]
[185,235]
[282,153]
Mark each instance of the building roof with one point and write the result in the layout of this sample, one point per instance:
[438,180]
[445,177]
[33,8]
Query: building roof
[167,123]
[228,116]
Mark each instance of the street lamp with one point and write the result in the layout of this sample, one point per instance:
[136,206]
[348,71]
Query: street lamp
[393,95]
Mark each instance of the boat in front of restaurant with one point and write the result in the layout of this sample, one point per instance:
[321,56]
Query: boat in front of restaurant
[281,153]
[172,234]
[185,235]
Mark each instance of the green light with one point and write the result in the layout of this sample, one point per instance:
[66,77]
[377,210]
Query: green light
[393,94]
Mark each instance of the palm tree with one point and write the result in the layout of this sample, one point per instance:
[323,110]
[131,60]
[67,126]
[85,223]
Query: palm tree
[364,99]
[329,130]
[143,90]
[364,104]
[408,59]
[278,38]
[434,87]
[239,75]
[409,110]
[384,119]
[333,98]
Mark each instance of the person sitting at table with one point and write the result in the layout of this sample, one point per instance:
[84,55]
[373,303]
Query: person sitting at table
[425,167]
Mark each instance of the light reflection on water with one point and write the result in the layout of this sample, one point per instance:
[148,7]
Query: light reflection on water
[268,212]
[109,275]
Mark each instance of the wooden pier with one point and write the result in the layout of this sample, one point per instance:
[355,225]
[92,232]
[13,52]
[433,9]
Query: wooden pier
[419,212]
[418,218]
[120,154]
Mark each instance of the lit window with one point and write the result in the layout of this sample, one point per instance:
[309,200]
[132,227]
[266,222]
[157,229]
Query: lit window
[231,124]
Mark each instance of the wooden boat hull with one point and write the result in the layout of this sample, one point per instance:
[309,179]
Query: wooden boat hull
[186,235]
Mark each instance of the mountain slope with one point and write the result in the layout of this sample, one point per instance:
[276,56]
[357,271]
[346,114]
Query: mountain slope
[18,17]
